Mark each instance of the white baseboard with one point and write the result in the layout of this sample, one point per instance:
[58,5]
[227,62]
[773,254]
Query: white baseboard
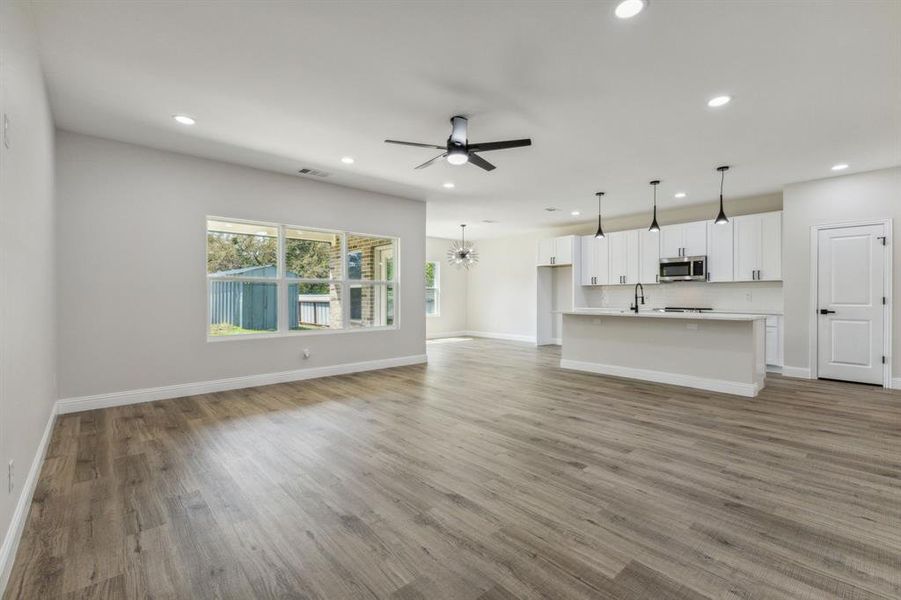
[502,336]
[714,385]
[896,383]
[23,504]
[797,372]
[78,404]
[446,334]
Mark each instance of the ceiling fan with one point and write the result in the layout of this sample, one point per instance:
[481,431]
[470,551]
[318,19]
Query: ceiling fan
[459,151]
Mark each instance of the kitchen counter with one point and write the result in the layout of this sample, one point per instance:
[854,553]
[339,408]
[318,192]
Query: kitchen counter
[653,314]
[721,352]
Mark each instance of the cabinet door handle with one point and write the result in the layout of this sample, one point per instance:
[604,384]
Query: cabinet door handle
[708,275]
[657,278]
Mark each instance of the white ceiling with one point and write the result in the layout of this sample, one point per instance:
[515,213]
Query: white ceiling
[609,104]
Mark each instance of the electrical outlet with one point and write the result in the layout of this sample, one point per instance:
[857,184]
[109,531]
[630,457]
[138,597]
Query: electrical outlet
[306,353]
[748,297]
[12,476]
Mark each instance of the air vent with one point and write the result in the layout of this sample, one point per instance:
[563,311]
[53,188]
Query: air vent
[488,221]
[314,172]
[551,209]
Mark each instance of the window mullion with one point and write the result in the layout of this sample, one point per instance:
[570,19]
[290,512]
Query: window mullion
[282,283]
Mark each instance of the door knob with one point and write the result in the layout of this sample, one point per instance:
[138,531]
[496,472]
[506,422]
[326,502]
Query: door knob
[826,311]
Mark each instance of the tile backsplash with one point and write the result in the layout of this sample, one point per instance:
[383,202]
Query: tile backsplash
[758,296]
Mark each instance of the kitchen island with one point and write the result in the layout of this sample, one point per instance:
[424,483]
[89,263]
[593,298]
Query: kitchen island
[710,351]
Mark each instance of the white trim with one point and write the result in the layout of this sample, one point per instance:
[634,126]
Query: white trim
[78,404]
[796,372]
[813,293]
[23,505]
[513,337]
[713,385]
[446,334]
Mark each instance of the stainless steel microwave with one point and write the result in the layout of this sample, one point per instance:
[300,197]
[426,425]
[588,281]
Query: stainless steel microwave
[683,268]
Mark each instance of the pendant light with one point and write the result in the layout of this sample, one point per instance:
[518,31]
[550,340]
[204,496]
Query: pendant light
[462,254]
[721,218]
[654,228]
[599,234]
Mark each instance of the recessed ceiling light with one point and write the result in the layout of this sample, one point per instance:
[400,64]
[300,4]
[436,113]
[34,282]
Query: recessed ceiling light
[839,167]
[629,8]
[575,213]
[718,101]
[184,119]
[347,160]
[680,195]
[448,184]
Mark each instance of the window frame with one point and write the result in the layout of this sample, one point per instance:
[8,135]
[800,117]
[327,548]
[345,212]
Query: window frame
[283,283]
[436,287]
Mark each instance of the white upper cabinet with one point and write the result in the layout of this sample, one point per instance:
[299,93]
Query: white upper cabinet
[595,261]
[757,247]
[684,239]
[649,256]
[556,251]
[623,257]
[563,250]
[545,252]
[719,251]
[695,239]
[670,241]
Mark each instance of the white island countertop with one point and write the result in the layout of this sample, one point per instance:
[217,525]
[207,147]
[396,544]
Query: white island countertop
[653,314]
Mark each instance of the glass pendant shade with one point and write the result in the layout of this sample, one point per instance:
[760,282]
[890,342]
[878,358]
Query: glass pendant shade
[654,228]
[599,234]
[462,254]
[721,218]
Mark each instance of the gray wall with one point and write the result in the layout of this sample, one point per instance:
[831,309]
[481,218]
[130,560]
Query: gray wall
[27,288]
[132,286]
[453,291]
[876,195]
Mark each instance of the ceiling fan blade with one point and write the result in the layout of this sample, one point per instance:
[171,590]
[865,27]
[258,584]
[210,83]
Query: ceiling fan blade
[485,146]
[417,144]
[429,162]
[481,162]
[458,130]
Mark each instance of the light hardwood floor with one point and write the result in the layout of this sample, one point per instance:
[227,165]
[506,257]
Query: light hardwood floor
[488,474]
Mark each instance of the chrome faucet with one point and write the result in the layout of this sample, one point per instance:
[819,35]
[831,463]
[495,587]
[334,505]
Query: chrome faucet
[634,307]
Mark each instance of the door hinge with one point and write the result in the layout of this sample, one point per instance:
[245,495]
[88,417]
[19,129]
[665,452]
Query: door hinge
[882,239]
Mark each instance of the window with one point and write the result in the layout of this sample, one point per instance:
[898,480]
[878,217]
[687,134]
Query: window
[273,279]
[432,289]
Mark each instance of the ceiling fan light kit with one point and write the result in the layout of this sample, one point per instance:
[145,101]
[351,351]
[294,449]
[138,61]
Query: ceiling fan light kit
[458,150]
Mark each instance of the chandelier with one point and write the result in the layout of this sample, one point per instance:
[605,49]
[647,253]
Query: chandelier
[462,254]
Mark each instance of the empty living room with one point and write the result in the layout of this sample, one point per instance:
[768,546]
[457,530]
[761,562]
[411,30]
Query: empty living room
[450,299]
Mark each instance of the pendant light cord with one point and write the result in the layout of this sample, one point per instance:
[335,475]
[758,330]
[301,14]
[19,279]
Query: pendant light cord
[722,179]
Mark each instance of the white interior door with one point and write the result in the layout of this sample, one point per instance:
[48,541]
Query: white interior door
[850,311]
